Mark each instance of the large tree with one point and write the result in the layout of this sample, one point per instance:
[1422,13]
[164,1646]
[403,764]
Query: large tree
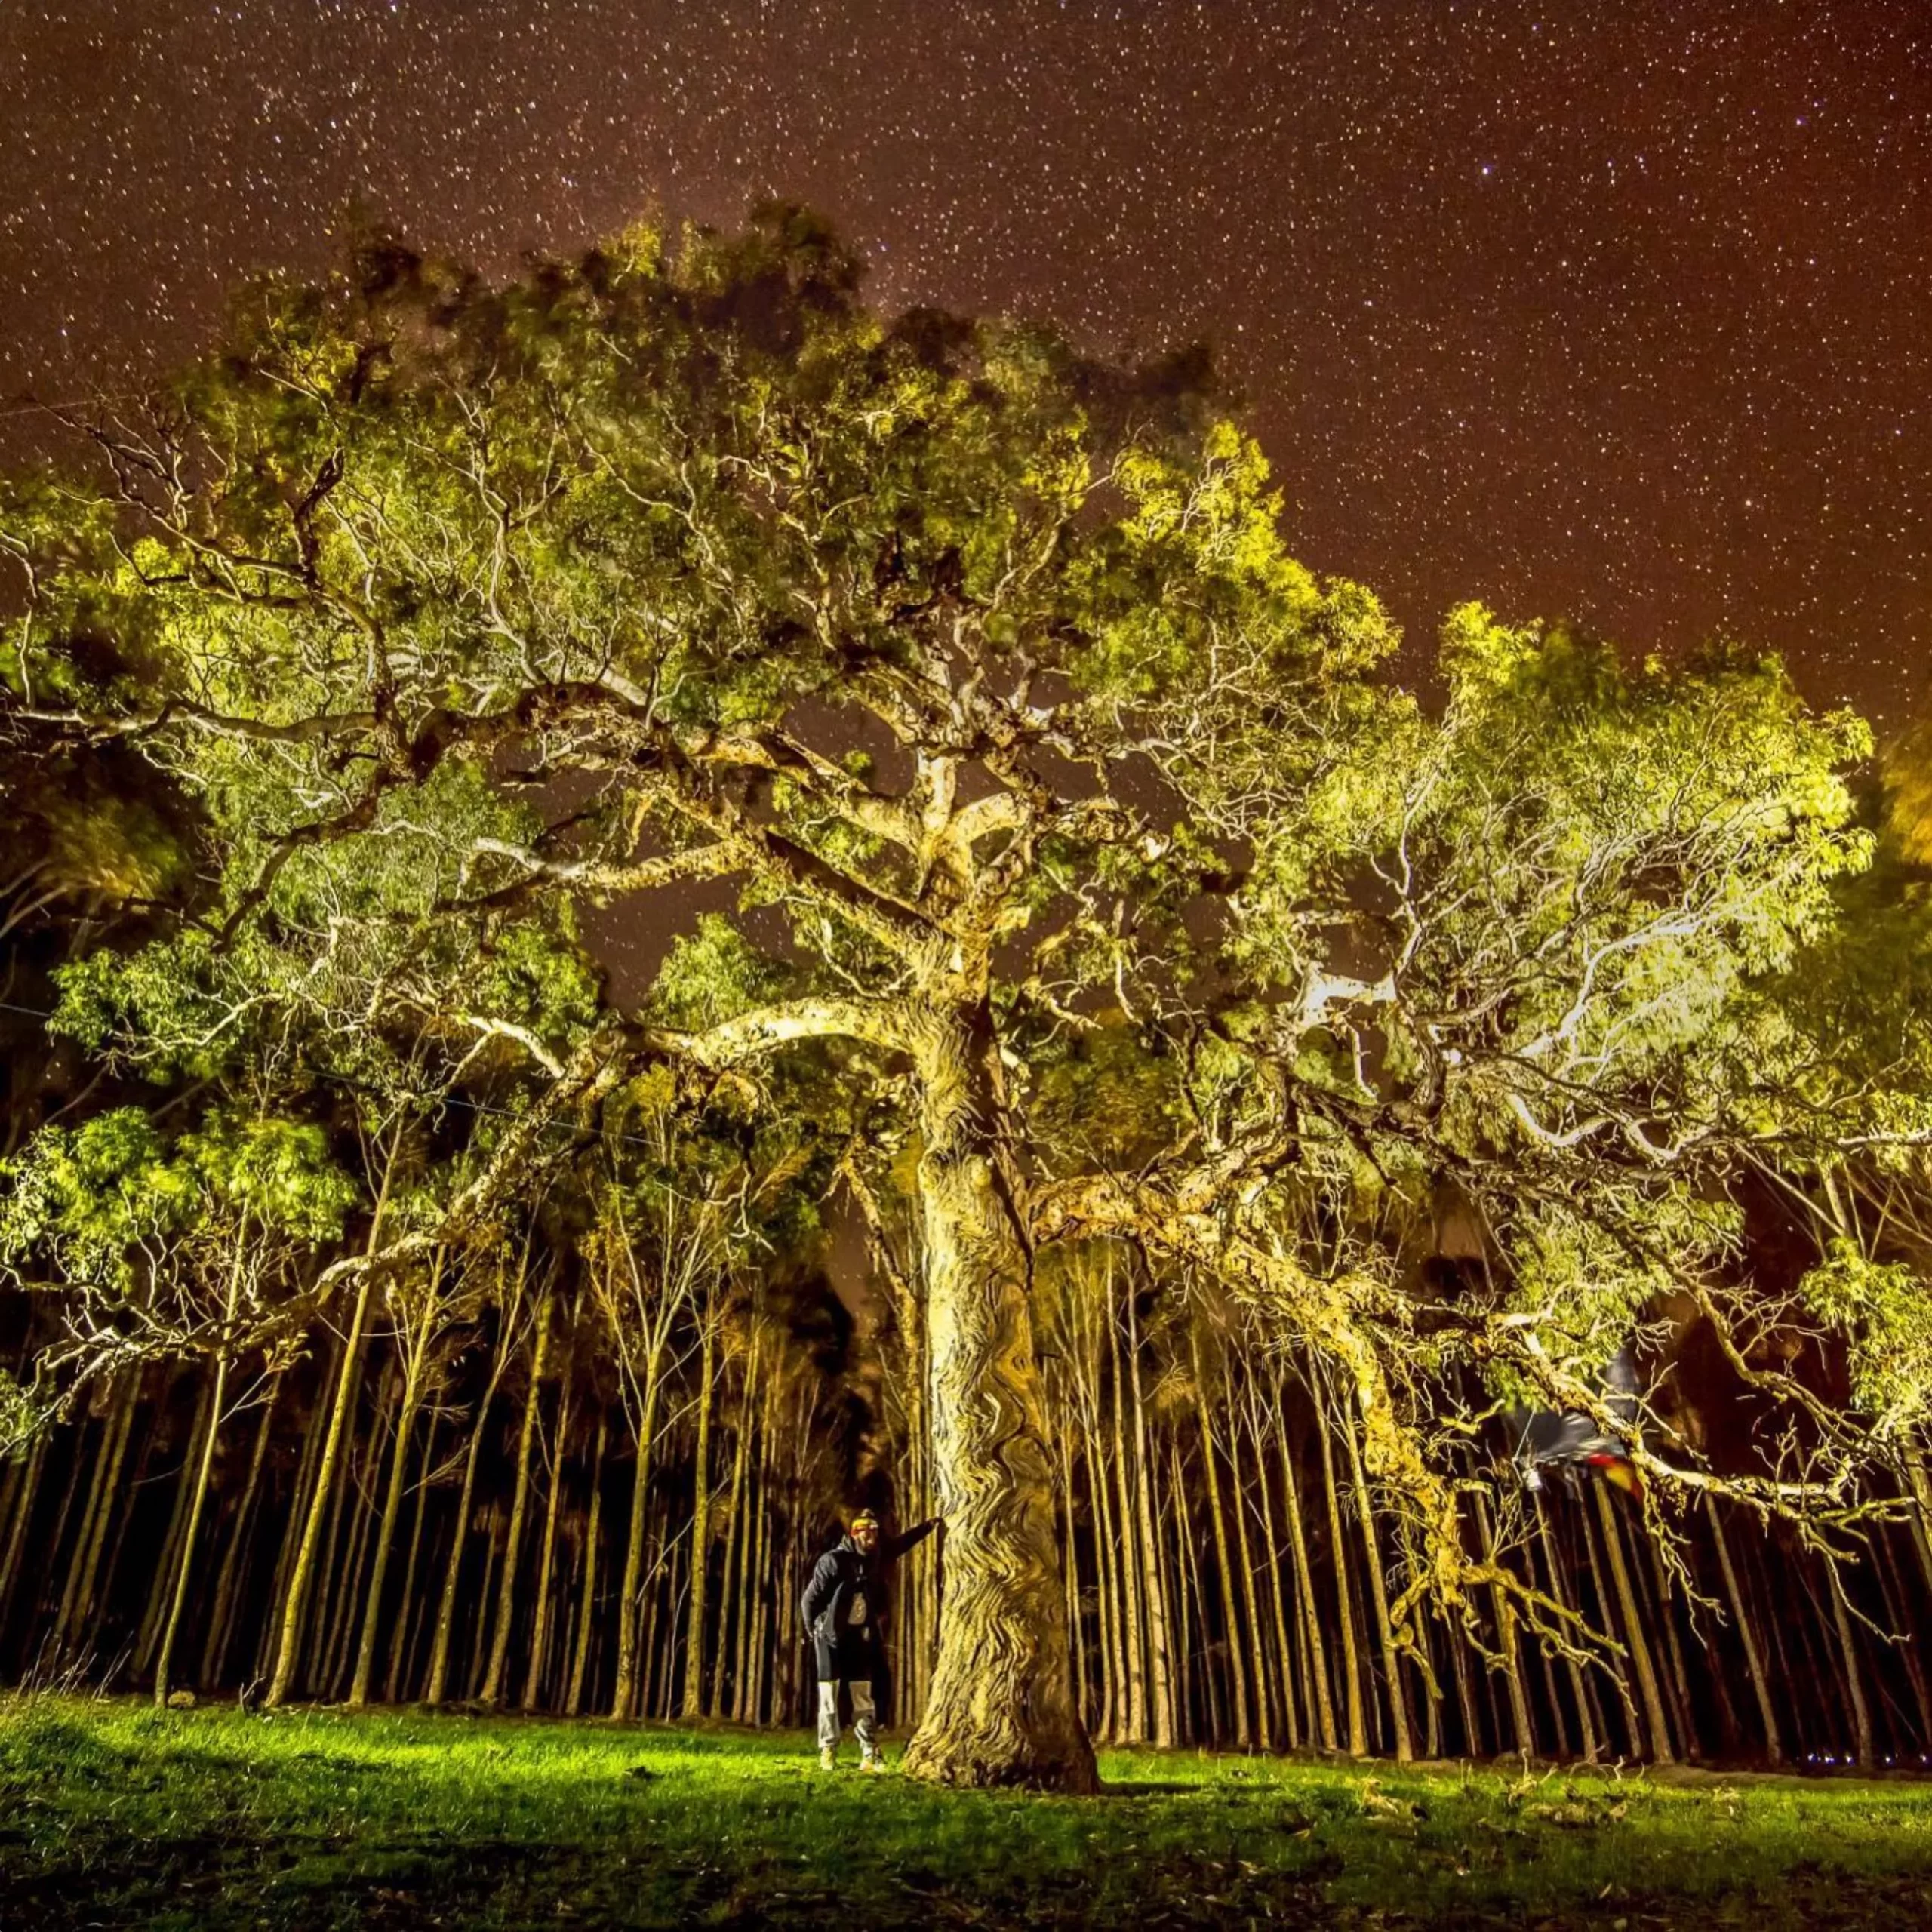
[976,675]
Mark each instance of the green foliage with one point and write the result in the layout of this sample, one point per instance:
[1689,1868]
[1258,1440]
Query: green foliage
[1884,1310]
[110,1201]
[711,974]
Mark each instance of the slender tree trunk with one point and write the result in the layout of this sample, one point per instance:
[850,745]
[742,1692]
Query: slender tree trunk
[1311,1614]
[508,1307]
[1284,1668]
[539,1634]
[1161,1648]
[1265,1730]
[1002,1709]
[1357,1728]
[296,1518]
[348,1384]
[27,1495]
[587,1609]
[1579,1690]
[1106,1554]
[91,1465]
[1237,1665]
[1506,1639]
[694,1686]
[1921,1480]
[753,1647]
[624,1697]
[185,1571]
[75,1610]
[339,1650]
[1676,1678]
[1633,1625]
[1432,1708]
[158,1596]
[402,1650]
[1891,1581]
[234,1558]
[731,1573]
[407,1396]
[1128,1555]
[414,1345]
[493,1556]
[1070,1564]
[499,1641]
[1865,1746]
[1398,1708]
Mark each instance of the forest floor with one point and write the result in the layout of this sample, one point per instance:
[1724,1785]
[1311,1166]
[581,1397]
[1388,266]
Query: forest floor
[114,1814]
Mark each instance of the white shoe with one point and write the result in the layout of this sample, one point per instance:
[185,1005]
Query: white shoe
[828,1759]
[871,1761]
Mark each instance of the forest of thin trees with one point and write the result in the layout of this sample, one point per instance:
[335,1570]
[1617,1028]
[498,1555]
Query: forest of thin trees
[546,1484]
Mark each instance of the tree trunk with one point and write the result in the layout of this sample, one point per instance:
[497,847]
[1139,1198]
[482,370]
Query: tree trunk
[348,1383]
[731,1572]
[499,1641]
[1633,1626]
[1506,1639]
[1357,1728]
[157,1609]
[1265,1731]
[297,1515]
[76,1608]
[623,1697]
[1237,1664]
[413,1343]
[1126,1555]
[1070,1562]
[1311,1614]
[753,1645]
[185,1570]
[1161,1684]
[1002,1711]
[1864,1744]
[694,1685]
[372,1606]
[1283,1651]
[1107,1566]
[337,1638]
[402,1650]
[1378,1594]
[25,1499]
[1579,1690]
[540,1629]
[587,1608]
[508,1306]
[234,1559]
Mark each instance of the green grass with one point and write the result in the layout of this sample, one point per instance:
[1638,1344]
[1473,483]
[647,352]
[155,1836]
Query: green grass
[113,1814]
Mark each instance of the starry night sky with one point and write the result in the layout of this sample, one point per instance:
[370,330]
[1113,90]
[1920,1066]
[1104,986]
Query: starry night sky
[1621,310]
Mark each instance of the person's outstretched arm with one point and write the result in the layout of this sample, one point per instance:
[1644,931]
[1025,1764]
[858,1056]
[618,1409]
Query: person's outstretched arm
[899,1546]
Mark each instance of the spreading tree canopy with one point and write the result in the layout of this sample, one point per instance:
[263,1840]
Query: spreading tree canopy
[1083,841]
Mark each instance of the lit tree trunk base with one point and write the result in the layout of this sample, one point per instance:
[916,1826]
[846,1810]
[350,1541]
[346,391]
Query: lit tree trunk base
[1000,1710]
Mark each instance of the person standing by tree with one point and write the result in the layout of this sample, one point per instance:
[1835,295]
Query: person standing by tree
[845,1611]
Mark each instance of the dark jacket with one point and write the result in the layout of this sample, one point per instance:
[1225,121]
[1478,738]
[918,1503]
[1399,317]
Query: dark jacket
[844,1579]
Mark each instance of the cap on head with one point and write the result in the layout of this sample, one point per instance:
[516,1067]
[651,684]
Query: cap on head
[864,1520]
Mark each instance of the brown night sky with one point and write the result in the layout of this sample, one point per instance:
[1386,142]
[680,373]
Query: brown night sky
[1615,309]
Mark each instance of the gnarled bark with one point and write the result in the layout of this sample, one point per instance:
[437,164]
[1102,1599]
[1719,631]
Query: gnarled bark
[1002,1708]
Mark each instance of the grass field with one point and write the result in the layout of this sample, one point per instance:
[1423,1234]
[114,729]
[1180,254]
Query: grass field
[113,1814]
